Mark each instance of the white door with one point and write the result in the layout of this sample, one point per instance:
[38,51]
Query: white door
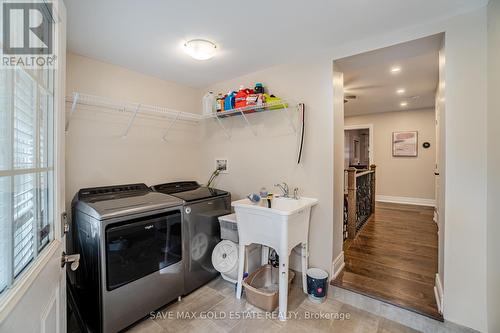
[438,170]
[437,179]
[32,281]
[338,169]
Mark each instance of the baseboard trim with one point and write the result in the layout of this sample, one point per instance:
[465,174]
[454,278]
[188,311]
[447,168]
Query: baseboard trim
[438,293]
[337,265]
[406,200]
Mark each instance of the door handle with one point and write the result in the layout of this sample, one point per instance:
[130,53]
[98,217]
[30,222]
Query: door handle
[436,173]
[74,259]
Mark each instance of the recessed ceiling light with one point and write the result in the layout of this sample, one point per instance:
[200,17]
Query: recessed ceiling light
[200,49]
[403,104]
[395,69]
[400,91]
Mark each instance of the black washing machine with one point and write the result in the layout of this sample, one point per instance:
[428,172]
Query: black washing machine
[202,208]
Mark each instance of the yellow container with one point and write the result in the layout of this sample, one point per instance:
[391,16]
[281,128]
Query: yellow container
[274,100]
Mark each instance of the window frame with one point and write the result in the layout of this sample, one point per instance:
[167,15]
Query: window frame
[10,297]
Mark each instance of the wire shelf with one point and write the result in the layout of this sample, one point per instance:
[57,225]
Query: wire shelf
[251,109]
[280,105]
[134,109]
[174,116]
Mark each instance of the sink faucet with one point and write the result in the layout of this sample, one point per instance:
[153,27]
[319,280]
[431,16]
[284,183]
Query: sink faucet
[284,188]
[296,193]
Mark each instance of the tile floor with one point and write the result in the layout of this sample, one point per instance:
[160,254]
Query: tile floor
[342,311]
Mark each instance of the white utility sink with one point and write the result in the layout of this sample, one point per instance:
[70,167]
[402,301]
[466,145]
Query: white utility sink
[281,227]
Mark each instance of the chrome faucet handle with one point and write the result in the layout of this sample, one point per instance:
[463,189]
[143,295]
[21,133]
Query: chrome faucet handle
[284,188]
[296,193]
[287,191]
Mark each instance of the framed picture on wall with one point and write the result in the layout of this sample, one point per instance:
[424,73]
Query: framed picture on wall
[405,144]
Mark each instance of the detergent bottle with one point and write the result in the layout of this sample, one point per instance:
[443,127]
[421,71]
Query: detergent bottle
[220,103]
[208,103]
[259,88]
[229,101]
[240,100]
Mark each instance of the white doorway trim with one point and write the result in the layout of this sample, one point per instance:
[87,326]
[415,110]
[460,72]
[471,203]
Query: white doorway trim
[369,127]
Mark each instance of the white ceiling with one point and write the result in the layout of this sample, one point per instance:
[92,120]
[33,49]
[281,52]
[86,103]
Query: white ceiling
[146,35]
[368,76]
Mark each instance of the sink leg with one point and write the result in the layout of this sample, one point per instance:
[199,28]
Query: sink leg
[241,266]
[305,264]
[264,255]
[283,286]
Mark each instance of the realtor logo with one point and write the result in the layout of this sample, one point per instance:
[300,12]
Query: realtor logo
[27,28]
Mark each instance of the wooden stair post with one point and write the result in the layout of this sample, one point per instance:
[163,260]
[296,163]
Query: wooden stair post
[351,203]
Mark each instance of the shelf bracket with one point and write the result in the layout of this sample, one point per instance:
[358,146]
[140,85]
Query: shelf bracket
[73,108]
[131,121]
[164,138]
[226,132]
[248,123]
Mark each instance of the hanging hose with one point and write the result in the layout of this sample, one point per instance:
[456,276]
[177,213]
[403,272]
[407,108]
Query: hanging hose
[212,177]
[302,107]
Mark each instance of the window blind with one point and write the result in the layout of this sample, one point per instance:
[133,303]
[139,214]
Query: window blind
[26,139]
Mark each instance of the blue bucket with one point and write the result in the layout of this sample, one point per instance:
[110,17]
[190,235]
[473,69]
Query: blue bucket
[317,284]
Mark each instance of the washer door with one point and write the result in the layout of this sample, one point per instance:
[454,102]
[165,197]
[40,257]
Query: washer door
[203,232]
[142,246]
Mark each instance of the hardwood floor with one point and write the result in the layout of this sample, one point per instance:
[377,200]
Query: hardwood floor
[394,258]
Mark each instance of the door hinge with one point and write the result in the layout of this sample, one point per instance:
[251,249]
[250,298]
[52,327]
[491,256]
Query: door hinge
[64,224]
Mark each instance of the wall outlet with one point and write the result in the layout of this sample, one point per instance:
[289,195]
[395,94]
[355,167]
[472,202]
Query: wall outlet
[222,165]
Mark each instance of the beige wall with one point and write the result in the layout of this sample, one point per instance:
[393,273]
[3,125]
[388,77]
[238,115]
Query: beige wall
[96,155]
[411,177]
[465,201]
[271,156]
[493,166]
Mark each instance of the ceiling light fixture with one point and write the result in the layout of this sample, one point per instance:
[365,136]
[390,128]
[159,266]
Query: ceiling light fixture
[400,91]
[395,69]
[403,104]
[200,49]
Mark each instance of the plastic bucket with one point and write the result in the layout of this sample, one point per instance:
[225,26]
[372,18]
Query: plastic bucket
[317,283]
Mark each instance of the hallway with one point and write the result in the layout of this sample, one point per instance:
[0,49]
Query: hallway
[394,258]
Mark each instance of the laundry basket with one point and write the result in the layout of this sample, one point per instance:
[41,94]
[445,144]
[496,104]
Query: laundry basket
[261,287]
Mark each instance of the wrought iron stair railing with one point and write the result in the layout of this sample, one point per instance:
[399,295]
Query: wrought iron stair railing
[359,200]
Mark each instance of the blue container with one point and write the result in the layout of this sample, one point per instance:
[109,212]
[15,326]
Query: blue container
[317,284]
[229,101]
